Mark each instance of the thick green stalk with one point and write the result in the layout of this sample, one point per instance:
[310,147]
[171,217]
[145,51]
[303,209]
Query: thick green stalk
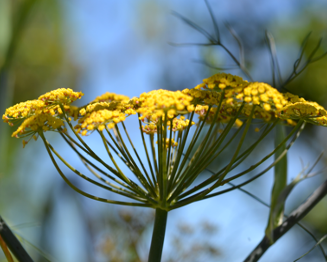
[158,235]
[276,216]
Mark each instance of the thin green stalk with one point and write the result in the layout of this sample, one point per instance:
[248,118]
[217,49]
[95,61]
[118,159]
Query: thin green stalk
[172,162]
[90,151]
[137,188]
[182,203]
[160,152]
[169,146]
[85,160]
[137,171]
[146,152]
[138,157]
[208,157]
[203,145]
[122,153]
[182,187]
[99,176]
[163,159]
[128,164]
[125,150]
[116,189]
[154,158]
[119,154]
[181,146]
[299,127]
[202,156]
[237,149]
[121,174]
[92,154]
[173,176]
[190,172]
[158,235]
[249,150]
[211,156]
[218,182]
[206,141]
[81,191]
[237,162]
[189,178]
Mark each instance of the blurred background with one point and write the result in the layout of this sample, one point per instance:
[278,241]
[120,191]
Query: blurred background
[126,47]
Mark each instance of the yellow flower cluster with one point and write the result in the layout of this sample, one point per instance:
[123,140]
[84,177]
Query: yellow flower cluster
[157,103]
[109,97]
[224,115]
[202,97]
[160,107]
[98,119]
[222,81]
[298,108]
[32,124]
[23,110]
[61,96]
[42,114]
[179,124]
[106,110]
[161,104]
[261,94]
[150,129]
[94,107]
[269,102]
[72,111]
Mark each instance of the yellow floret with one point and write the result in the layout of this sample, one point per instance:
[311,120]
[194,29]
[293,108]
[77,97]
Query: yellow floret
[267,107]
[111,125]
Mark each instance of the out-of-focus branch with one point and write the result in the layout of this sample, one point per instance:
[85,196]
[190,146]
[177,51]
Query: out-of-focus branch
[293,218]
[13,243]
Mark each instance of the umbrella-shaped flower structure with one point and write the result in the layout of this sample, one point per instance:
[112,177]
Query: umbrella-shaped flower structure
[182,133]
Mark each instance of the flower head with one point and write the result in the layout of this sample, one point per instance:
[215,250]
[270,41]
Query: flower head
[32,124]
[23,110]
[109,97]
[232,93]
[61,96]
[298,108]
[175,154]
[44,114]
[222,81]
[154,104]
[98,119]
[106,110]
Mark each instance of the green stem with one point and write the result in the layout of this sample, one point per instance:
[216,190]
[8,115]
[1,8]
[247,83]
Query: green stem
[158,235]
